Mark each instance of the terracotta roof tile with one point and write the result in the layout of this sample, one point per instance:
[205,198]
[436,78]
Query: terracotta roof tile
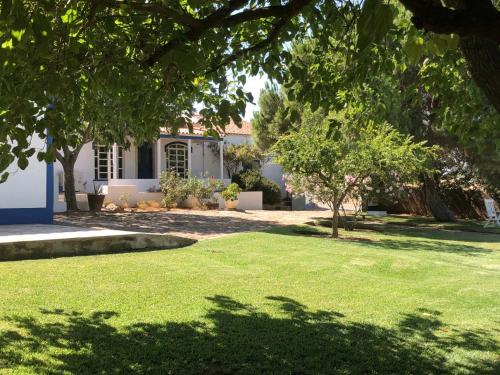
[230,129]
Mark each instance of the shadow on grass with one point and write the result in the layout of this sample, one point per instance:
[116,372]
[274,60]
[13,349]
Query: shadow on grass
[238,338]
[413,243]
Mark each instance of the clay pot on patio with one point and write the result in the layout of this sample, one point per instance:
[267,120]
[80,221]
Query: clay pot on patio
[95,201]
[231,204]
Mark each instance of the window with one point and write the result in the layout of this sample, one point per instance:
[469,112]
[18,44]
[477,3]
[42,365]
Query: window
[101,162]
[177,158]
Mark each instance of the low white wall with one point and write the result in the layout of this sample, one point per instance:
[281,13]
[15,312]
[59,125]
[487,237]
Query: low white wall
[26,188]
[247,200]
[141,185]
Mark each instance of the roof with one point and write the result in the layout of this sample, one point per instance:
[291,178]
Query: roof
[229,129]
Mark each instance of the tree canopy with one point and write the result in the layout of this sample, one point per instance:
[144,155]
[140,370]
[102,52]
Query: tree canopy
[201,51]
[333,156]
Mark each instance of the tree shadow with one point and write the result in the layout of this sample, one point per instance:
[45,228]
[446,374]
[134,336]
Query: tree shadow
[237,338]
[190,224]
[438,242]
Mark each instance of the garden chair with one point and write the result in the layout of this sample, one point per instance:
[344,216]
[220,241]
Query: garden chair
[492,213]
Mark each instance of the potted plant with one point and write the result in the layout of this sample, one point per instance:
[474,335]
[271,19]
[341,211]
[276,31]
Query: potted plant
[230,196]
[96,199]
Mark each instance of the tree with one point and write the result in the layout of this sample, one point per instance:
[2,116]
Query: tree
[202,49]
[425,92]
[239,156]
[81,88]
[189,44]
[332,156]
[271,120]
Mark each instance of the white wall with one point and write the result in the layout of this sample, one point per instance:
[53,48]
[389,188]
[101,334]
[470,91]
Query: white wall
[26,188]
[270,170]
[201,166]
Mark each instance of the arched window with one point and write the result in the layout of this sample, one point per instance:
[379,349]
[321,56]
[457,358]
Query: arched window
[177,158]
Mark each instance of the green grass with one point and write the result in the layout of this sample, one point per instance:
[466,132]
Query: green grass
[420,222]
[401,302]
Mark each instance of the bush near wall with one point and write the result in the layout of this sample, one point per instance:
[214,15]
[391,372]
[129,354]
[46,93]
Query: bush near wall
[253,180]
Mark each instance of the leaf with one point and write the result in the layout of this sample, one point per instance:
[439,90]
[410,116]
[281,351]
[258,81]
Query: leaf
[6,7]
[375,21]
[22,162]
[69,16]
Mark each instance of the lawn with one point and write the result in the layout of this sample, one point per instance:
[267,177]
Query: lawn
[403,302]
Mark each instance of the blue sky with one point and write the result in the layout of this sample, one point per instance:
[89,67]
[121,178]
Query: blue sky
[254,85]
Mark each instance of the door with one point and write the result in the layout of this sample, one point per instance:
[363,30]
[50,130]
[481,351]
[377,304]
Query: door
[145,161]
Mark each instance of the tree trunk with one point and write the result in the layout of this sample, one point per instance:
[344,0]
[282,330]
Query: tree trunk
[69,184]
[438,208]
[335,223]
[68,159]
[483,59]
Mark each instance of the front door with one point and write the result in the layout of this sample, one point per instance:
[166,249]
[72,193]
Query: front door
[145,161]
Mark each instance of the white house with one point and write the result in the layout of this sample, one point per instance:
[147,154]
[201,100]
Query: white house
[27,196]
[135,171]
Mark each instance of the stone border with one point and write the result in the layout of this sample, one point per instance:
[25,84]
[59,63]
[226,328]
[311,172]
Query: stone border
[21,250]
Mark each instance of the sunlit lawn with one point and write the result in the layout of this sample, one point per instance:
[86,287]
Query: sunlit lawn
[413,301]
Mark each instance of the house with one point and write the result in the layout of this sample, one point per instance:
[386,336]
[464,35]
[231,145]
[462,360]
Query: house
[133,173]
[27,196]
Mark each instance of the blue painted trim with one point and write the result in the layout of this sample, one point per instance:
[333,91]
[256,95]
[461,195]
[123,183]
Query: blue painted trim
[49,201]
[25,216]
[43,215]
[196,137]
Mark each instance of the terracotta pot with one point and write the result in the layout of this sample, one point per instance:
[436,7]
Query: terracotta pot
[95,201]
[231,205]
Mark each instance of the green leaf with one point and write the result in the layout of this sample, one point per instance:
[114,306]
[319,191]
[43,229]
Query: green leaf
[22,162]
[375,21]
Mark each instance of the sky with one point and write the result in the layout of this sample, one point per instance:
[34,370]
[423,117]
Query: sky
[254,85]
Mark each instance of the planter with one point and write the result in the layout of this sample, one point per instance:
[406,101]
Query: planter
[231,204]
[95,201]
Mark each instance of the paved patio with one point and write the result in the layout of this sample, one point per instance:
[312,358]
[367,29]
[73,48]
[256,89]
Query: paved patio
[48,241]
[196,224]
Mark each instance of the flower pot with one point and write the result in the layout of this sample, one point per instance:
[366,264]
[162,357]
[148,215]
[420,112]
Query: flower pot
[231,204]
[95,201]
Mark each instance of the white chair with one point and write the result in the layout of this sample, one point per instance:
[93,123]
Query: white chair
[493,214]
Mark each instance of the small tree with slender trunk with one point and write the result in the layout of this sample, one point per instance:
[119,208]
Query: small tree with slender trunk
[334,157]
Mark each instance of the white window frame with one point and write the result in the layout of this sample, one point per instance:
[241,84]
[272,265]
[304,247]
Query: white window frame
[101,162]
[176,155]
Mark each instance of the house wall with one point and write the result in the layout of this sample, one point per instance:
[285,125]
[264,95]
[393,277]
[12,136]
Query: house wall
[270,169]
[27,195]
[84,168]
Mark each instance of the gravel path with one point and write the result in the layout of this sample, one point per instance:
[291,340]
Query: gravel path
[195,224]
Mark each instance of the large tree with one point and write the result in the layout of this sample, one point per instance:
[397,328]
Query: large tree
[333,156]
[195,43]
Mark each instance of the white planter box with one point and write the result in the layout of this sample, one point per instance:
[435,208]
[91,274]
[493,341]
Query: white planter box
[247,200]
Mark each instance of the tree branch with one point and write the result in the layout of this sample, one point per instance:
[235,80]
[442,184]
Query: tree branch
[225,17]
[474,18]
[154,8]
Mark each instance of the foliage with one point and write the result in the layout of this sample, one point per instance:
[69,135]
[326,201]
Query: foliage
[418,82]
[231,192]
[176,189]
[172,188]
[240,156]
[201,189]
[271,120]
[253,180]
[333,155]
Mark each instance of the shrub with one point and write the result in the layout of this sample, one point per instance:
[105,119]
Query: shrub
[172,187]
[202,189]
[253,180]
[176,189]
[231,192]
